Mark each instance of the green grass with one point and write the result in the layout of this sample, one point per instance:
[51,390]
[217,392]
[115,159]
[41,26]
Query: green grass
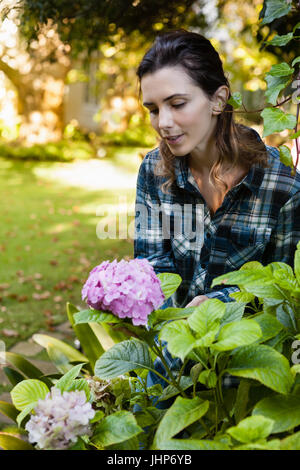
[48,243]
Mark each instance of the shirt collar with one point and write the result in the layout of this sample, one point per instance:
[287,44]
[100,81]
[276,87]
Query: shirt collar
[252,180]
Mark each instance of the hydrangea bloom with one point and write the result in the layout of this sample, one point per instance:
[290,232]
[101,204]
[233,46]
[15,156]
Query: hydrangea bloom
[127,288]
[59,419]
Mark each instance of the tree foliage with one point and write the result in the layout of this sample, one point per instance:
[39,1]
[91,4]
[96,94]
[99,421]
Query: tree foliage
[85,23]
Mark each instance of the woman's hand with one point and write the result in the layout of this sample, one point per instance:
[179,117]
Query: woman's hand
[199,299]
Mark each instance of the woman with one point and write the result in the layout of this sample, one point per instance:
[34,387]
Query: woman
[241,202]
[212,196]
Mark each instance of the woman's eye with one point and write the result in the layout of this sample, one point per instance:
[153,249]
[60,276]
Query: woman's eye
[178,105]
[153,111]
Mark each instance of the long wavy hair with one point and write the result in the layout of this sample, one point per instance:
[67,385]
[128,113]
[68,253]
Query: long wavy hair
[236,143]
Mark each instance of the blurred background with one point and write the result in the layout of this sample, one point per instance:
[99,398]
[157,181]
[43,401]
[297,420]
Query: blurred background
[73,133]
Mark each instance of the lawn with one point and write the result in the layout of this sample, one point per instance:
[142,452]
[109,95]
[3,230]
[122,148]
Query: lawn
[48,240]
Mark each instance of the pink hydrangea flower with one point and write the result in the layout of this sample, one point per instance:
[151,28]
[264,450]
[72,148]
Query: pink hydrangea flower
[128,289]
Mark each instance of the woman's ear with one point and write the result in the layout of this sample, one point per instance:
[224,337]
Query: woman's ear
[220,99]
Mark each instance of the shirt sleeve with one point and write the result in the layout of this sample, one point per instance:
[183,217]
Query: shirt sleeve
[286,234]
[149,239]
[223,294]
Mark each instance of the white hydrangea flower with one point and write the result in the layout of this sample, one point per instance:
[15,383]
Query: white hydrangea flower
[59,419]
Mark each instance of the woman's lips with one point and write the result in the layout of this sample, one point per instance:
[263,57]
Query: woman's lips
[174,140]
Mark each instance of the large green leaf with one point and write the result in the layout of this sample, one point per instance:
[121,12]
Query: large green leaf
[264,364]
[284,410]
[192,444]
[79,385]
[10,442]
[88,340]
[251,429]
[275,120]
[66,380]
[275,85]
[182,413]
[207,316]
[24,366]
[171,313]
[179,338]
[115,428]
[8,410]
[281,70]
[96,316]
[169,283]
[171,390]
[291,442]
[236,334]
[71,353]
[27,392]
[235,310]
[123,357]
[269,326]
[60,360]
[13,375]
[276,9]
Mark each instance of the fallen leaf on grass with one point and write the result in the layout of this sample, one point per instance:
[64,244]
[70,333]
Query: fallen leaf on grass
[22,298]
[38,276]
[57,298]
[9,333]
[4,286]
[43,296]
[53,262]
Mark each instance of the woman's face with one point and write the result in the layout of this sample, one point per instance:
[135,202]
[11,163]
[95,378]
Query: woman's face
[179,110]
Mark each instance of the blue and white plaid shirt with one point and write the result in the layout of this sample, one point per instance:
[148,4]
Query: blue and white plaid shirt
[259,219]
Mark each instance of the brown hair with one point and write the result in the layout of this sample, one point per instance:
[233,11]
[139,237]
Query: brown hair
[236,143]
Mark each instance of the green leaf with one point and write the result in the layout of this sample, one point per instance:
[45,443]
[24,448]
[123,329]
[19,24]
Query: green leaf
[295,134]
[245,297]
[115,428]
[270,291]
[297,263]
[172,313]
[10,442]
[243,277]
[179,338]
[8,410]
[24,366]
[171,390]
[284,410]
[25,412]
[281,70]
[251,429]
[66,380]
[236,334]
[235,100]
[208,378]
[207,316]
[169,283]
[275,85]
[71,353]
[60,360]
[96,316]
[27,392]
[123,357]
[13,375]
[182,413]
[275,9]
[79,385]
[192,444]
[291,442]
[242,398]
[280,40]
[264,364]
[88,340]
[296,60]
[269,326]
[275,120]
[285,156]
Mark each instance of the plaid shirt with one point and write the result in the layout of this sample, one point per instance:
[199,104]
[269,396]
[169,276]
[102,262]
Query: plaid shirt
[259,219]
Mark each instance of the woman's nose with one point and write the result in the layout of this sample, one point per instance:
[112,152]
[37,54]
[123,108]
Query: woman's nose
[165,120]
